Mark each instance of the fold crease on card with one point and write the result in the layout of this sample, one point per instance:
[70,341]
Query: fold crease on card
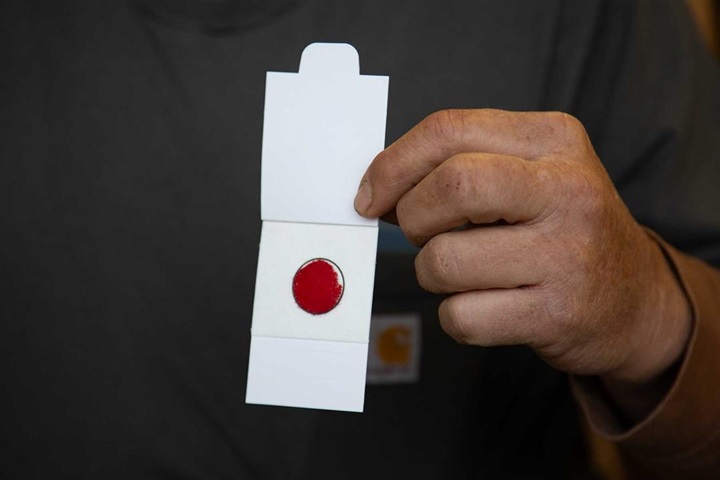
[316,266]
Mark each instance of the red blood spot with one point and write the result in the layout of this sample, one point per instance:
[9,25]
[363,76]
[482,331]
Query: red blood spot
[318,286]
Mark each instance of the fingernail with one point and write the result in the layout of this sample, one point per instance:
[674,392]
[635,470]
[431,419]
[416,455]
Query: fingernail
[363,197]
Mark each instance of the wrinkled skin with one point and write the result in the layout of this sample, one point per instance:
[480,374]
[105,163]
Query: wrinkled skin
[520,224]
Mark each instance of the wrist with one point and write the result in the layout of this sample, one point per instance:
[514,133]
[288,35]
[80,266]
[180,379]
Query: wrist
[663,324]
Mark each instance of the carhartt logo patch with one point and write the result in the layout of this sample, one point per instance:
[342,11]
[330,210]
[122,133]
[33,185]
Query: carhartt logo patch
[394,350]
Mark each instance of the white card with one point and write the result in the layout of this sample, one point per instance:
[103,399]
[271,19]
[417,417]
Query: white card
[322,128]
[284,249]
[316,267]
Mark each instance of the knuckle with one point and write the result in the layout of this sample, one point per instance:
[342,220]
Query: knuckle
[435,266]
[566,126]
[589,197]
[454,321]
[578,186]
[496,168]
[546,317]
[453,181]
[404,211]
[455,168]
[444,125]
[557,309]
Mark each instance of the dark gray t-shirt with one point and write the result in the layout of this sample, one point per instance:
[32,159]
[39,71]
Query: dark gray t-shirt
[129,224]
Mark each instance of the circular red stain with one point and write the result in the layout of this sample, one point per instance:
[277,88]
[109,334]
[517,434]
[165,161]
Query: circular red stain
[318,286]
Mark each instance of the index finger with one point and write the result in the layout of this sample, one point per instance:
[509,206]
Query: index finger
[403,164]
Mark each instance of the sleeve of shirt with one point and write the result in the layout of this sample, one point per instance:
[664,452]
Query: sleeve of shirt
[681,437]
[650,99]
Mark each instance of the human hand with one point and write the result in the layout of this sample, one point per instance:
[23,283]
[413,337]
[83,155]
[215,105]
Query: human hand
[519,222]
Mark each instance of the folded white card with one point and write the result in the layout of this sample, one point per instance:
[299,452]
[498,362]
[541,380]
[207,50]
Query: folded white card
[316,267]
